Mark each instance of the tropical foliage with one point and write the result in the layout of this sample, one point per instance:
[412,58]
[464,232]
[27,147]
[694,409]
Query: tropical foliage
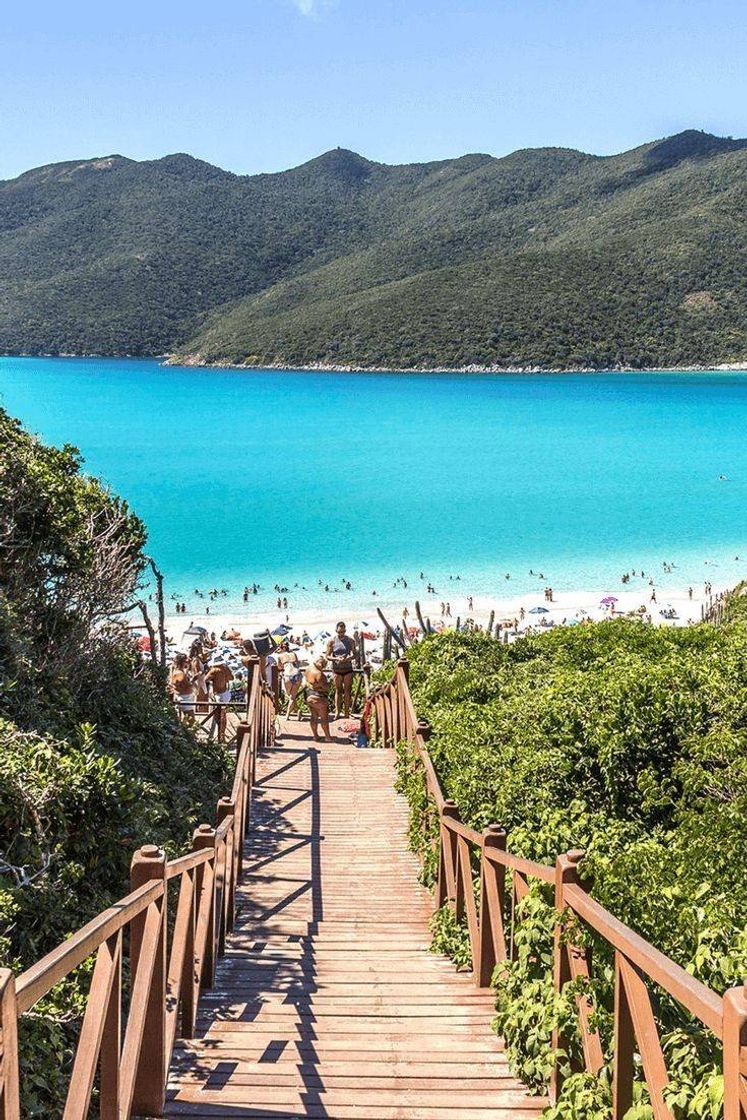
[92,760]
[631,743]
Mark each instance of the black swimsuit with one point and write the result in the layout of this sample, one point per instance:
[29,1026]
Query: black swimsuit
[342,650]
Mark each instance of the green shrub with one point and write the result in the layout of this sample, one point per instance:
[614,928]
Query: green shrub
[630,743]
[93,761]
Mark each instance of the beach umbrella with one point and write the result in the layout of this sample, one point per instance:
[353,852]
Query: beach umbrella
[608,600]
[539,610]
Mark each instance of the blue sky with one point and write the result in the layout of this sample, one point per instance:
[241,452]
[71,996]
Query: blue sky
[260,85]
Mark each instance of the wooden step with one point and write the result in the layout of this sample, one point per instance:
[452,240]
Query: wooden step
[328,1003]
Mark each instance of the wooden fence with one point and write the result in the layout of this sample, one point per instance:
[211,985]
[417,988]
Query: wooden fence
[472,880]
[167,964]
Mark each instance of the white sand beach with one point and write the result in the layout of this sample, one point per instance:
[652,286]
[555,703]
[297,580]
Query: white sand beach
[566,608]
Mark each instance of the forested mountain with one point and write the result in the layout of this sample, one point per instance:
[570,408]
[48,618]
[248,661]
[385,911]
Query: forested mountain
[545,257]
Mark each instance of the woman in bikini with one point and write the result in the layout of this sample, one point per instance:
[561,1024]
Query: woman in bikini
[317,698]
[341,649]
[292,675]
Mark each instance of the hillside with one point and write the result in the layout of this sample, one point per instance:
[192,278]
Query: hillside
[545,257]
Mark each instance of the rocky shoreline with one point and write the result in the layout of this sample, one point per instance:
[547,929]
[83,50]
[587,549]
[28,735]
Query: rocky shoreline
[326,367]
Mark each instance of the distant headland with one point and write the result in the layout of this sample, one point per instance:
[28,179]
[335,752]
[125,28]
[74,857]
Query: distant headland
[547,259]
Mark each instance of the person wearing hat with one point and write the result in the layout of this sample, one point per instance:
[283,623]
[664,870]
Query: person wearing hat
[218,681]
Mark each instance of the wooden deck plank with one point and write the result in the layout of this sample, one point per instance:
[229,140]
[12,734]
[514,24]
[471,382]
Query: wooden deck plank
[328,1003]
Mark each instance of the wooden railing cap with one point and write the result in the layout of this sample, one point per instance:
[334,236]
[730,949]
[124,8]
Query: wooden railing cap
[148,854]
[203,836]
[150,851]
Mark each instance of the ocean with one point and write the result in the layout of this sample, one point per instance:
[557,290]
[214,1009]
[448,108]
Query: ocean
[307,479]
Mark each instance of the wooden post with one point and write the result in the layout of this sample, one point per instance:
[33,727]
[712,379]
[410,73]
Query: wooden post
[252,666]
[447,866]
[204,837]
[566,872]
[227,808]
[492,906]
[623,1068]
[402,677]
[735,1047]
[149,865]
[242,819]
[275,674]
[423,729]
[10,1107]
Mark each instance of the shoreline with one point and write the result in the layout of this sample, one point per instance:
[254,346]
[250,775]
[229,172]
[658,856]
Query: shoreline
[566,608]
[195,362]
[325,367]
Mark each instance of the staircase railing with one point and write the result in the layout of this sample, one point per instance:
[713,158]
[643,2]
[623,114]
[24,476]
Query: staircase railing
[167,964]
[471,880]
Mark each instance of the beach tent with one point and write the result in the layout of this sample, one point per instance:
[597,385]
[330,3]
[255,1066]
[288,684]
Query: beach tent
[539,610]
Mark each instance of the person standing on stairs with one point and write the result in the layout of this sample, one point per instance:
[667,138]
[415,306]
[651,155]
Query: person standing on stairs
[317,698]
[341,649]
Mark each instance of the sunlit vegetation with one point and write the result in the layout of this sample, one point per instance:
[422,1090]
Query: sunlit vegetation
[628,742]
[547,257]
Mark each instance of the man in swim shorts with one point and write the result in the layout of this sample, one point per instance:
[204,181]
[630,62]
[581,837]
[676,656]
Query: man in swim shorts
[218,681]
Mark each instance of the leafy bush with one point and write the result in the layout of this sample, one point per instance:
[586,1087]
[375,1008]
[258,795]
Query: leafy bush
[631,743]
[93,762]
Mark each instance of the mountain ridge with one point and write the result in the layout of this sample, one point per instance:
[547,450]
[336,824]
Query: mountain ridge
[545,256]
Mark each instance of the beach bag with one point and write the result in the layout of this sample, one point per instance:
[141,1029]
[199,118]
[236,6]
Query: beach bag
[264,643]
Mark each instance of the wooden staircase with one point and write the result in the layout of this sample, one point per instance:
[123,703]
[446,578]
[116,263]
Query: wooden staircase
[328,1002]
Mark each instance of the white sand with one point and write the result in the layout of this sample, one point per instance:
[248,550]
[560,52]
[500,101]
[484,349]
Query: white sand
[566,605]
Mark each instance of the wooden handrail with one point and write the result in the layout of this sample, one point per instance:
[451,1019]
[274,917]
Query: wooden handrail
[464,856]
[186,863]
[525,866]
[167,973]
[452,824]
[38,980]
[691,993]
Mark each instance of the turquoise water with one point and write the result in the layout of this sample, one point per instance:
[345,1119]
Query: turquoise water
[293,477]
